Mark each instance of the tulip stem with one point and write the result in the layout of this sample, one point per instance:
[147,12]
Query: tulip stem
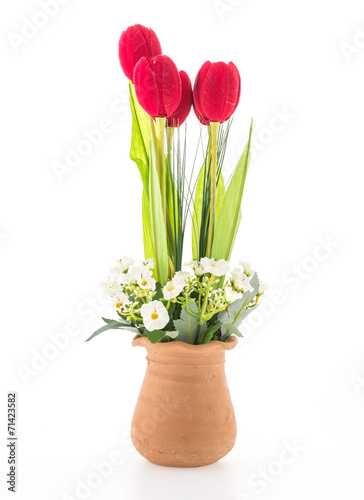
[214,129]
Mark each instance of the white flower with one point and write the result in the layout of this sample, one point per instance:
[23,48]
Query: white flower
[155,315]
[120,300]
[131,276]
[241,281]
[197,267]
[247,268]
[174,287]
[145,280]
[122,266]
[263,287]
[111,287]
[215,267]
[231,295]
[147,264]
[182,275]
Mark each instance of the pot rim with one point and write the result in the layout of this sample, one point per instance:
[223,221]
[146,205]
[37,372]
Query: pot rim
[227,345]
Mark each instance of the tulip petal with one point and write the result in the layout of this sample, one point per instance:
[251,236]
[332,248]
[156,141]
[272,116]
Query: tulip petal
[146,87]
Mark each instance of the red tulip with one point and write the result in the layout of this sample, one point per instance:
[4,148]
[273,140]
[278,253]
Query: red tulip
[137,42]
[216,92]
[180,114]
[157,85]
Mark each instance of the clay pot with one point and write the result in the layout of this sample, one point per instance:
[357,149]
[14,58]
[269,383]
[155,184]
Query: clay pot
[184,416]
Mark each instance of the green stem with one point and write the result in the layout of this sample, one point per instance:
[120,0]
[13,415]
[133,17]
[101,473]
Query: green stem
[204,304]
[152,204]
[161,123]
[214,127]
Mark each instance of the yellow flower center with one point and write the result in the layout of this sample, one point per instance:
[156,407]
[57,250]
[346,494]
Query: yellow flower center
[154,315]
[119,305]
[144,283]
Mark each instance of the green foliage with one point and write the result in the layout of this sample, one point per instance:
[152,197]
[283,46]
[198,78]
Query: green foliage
[147,227]
[187,326]
[199,230]
[155,336]
[236,312]
[112,324]
[208,335]
[229,216]
[157,221]
[140,137]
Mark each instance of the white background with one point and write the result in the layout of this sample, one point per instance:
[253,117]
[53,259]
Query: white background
[298,376]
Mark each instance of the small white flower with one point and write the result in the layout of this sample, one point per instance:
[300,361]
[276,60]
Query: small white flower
[111,287]
[174,287]
[240,281]
[215,267]
[122,266]
[131,276]
[155,315]
[182,275]
[197,267]
[120,300]
[247,268]
[263,287]
[147,264]
[145,280]
[232,295]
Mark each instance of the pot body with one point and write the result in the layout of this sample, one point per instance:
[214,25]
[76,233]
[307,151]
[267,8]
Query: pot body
[184,416]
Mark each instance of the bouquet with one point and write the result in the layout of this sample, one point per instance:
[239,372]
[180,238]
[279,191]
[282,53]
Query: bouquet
[163,297]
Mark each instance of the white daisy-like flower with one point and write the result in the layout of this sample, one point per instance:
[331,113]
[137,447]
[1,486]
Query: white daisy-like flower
[122,266]
[145,280]
[120,300]
[182,275]
[173,288]
[240,281]
[247,268]
[131,276]
[263,287]
[216,267]
[111,287]
[197,267]
[147,264]
[155,315]
[232,295]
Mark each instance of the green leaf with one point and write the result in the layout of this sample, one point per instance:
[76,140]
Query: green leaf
[155,336]
[197,209]
[112,325]
[229,217]
[157,221]
[232,328]
[158,291]
[187,325]
[236,312]
[147,227]
[172,335]
[140,137]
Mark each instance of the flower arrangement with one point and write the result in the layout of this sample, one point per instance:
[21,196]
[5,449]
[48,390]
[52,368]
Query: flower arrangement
[162,298]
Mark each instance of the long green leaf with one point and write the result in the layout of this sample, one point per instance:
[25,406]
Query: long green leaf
[229,217]
[147,227]
[197,209]
[157,220]
[112,325]
[140,137]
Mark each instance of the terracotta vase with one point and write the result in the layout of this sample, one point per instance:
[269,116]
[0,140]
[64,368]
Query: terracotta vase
[184,416]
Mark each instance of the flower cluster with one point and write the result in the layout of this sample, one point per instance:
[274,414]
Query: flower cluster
[195,302]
